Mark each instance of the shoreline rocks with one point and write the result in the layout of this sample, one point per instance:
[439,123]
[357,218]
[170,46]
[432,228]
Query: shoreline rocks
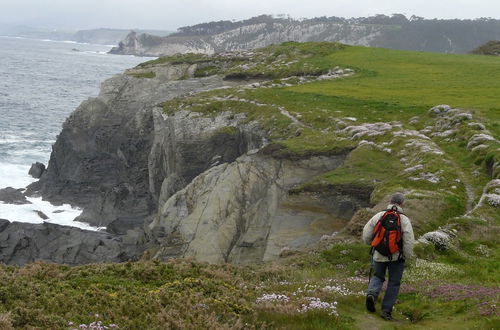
[11,195]
[24,243]
[37,170]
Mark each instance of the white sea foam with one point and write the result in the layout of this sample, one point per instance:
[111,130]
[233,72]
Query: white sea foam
[95,52]
[63,41]
[15,176]
[8,139]
[61,215]
[32,89]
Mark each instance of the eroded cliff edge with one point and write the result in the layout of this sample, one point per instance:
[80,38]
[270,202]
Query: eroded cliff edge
[395,32]
[243,157]
[211,186]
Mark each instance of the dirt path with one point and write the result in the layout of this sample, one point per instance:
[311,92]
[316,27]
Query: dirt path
[469,191]
[368,322]
[372,321]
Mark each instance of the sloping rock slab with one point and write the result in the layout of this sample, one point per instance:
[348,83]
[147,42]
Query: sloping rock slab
[242,212]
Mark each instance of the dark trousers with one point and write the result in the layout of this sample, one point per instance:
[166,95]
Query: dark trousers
[396,269]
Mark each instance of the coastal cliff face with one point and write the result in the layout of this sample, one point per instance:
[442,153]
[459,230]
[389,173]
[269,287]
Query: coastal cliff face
[143,44]
[396,32]
[247,37]
[100,159]
[128,164]
[242,212]
[229,158]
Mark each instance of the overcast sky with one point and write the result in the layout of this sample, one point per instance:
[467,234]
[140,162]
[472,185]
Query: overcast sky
[169,14]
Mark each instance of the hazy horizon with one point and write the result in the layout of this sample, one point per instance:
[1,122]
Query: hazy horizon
[164,15]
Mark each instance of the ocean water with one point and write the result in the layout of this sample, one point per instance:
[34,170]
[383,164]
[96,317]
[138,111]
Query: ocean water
[41,83]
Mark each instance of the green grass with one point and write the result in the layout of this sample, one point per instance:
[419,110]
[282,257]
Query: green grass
[149,74]
[366,167]
[388,86]
[187,294]
[286,60]
[206,71]
[189,58]
[415,79]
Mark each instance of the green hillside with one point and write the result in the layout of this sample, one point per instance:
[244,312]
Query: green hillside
[321,99]
[387,86]
[417,79]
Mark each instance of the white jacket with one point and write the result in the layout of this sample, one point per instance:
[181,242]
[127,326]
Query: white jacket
[406,230]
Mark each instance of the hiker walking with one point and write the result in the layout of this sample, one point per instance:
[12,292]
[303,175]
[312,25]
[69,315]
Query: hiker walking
[391,236]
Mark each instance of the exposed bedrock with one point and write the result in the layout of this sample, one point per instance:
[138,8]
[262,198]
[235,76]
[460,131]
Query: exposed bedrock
[36,170]
[100,159]
[187,143]
[242,212]
[22,243]
[178,183]
[11,195]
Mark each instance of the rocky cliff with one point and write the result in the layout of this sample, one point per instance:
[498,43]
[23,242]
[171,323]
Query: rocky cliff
[213,157]
[100,160]
[188,183]
[250,156]
[242,212]
[247,37]
[396,32]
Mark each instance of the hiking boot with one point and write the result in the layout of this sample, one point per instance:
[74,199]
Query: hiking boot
[386,316]
[370,303]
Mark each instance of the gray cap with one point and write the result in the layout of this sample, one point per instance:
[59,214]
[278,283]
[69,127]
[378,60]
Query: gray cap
[397,198]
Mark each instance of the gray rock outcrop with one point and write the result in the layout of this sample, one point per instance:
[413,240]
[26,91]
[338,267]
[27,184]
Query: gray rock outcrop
[36,170]
[143,44]
[396,32]
[42,215]
[22,243]
[11,195]
[441,238]
[242,212]
[180,182]
[100,159]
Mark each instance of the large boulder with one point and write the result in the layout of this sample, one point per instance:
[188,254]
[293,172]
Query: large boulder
[37,170]
[441,238]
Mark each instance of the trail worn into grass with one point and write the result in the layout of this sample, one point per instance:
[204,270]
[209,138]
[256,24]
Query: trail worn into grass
[368,322]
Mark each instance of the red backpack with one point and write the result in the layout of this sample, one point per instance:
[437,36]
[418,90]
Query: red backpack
[387,237]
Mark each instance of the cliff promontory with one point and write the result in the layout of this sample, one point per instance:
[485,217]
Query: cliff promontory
[233,188]
[249,156]
[395,32]
[139,170]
